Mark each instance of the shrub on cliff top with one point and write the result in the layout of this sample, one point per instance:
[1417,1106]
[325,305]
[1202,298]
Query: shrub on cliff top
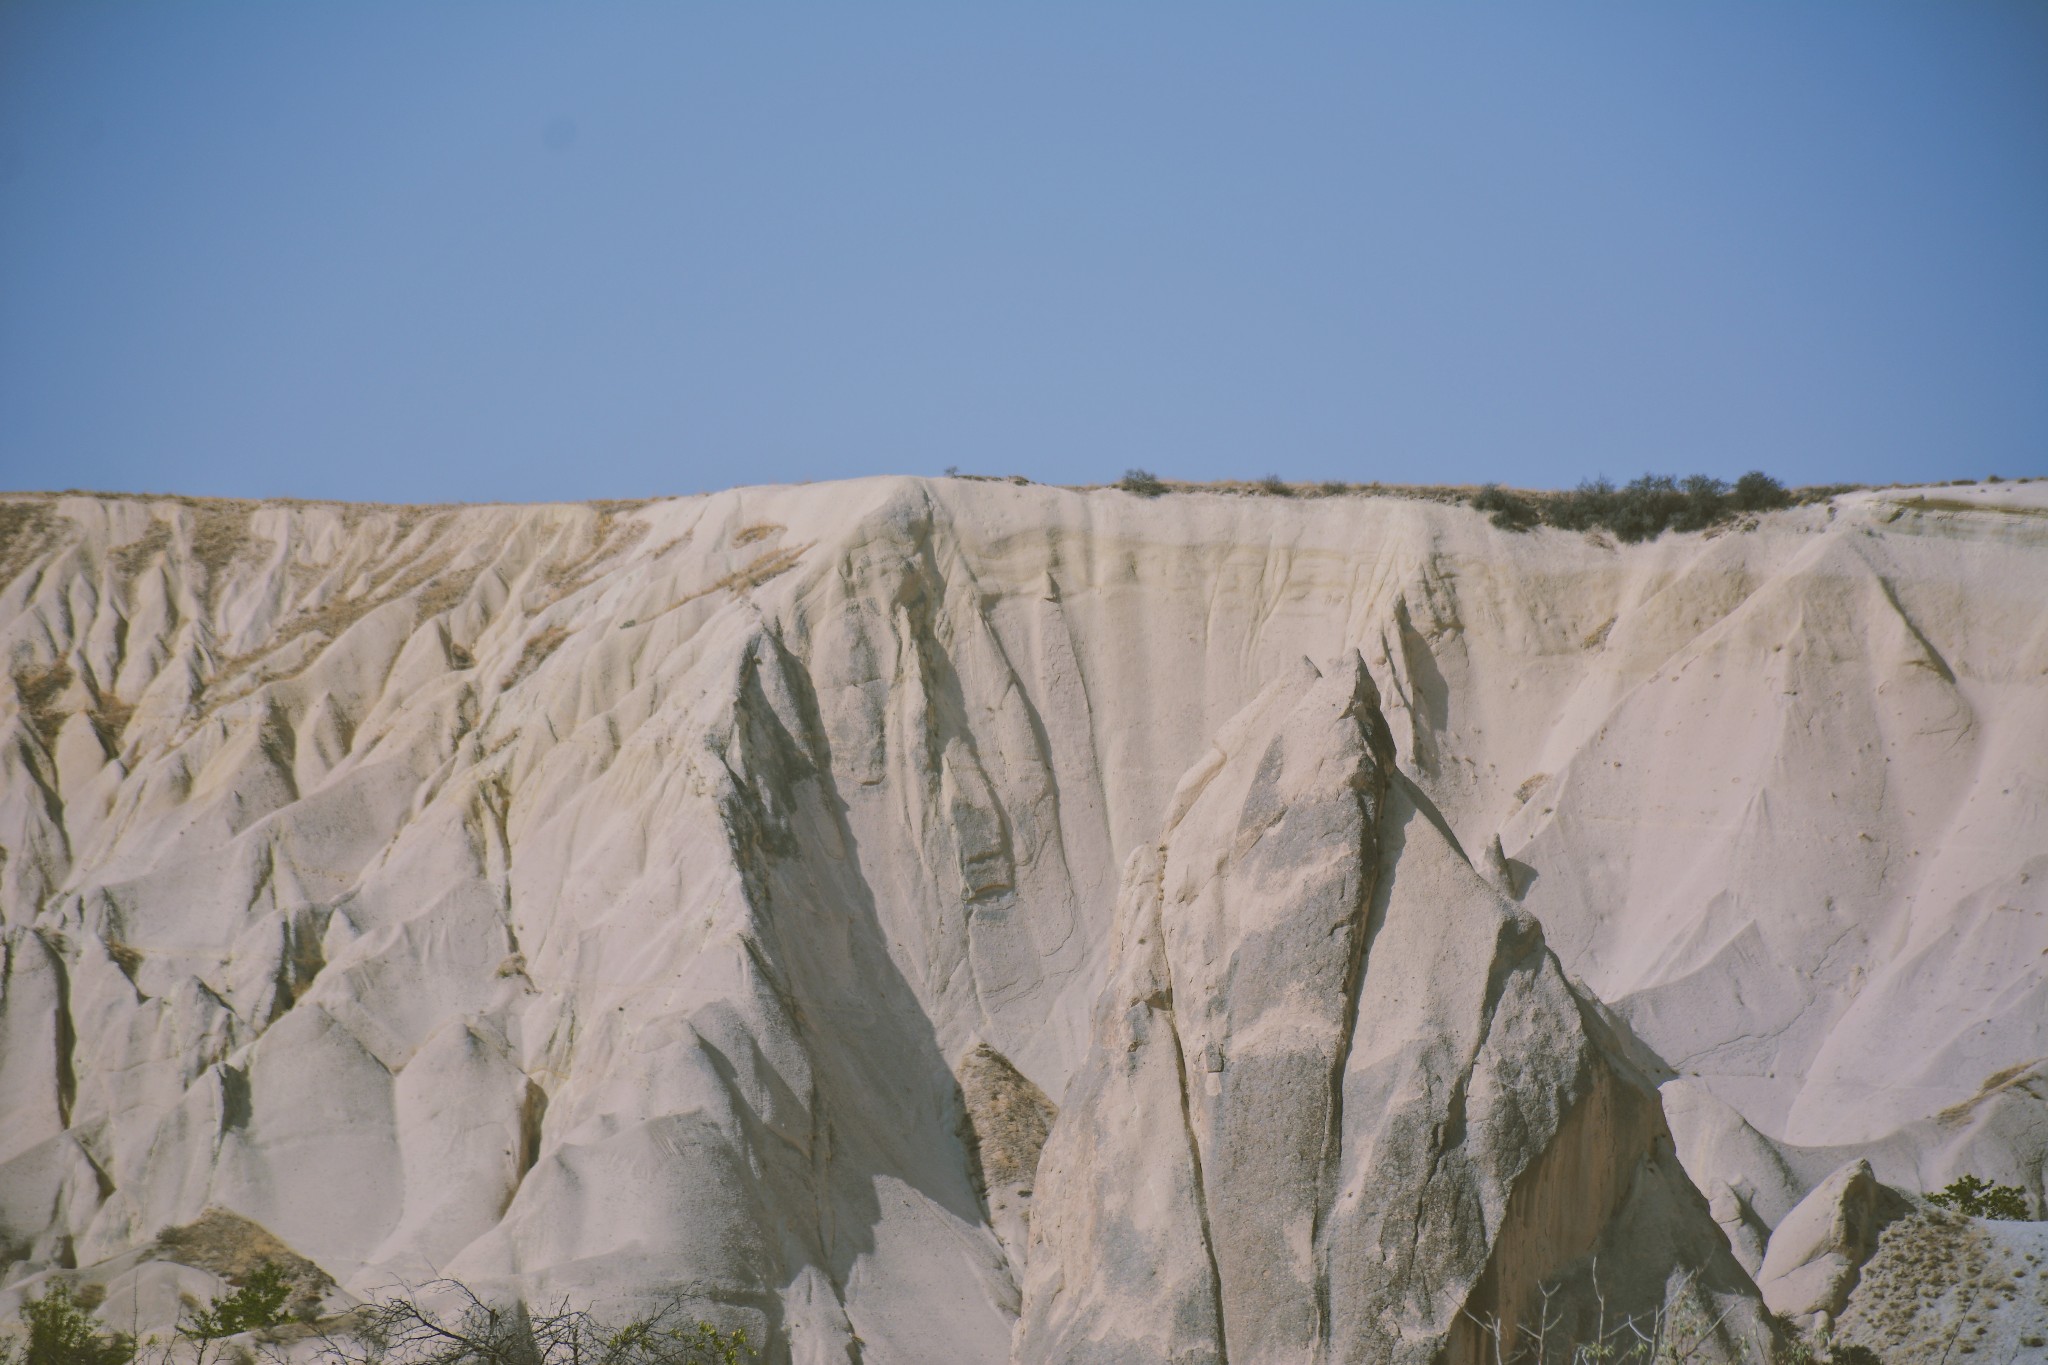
[1643,510]
[1143,482]
[1757,491]
[1511,511]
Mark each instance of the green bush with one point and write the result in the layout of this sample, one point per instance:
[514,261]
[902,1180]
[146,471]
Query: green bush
[258,1303]
[1584,508]
[1143,482]
[1974,1198]
[62,1332]
[1705,503]
[1273,486]
[1642,510]
[1511,511]
[1757,491]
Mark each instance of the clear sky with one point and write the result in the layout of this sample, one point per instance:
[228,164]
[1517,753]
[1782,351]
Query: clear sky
[437,251]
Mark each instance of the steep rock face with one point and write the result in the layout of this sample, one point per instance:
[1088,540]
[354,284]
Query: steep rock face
[594,896]
[1342,1103]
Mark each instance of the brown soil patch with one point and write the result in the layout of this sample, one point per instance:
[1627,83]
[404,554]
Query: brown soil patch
[233,1247]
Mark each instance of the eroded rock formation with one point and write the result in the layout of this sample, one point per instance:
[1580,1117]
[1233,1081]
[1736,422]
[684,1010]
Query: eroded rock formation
[1818,1250]
[1373,1118]
[601,901]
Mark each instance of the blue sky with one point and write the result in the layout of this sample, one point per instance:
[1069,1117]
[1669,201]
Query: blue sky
[438,251]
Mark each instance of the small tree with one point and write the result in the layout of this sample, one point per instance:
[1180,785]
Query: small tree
[1706,502]
[62,1332]
[1757,491]
[1974,1198]
[256,1304]
[1510,511]
[1589,505]
[1645,507]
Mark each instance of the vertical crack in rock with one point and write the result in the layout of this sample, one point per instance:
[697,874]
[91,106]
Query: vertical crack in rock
[1120,1265]
[1262,948]
[1201,1190]
[1369,784]
[65,1031]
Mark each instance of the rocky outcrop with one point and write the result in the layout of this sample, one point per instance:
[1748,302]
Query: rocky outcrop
[1342,1103]
[1941,1286]
[1817,1251]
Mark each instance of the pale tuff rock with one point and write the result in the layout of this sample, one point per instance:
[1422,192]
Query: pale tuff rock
[777,1082]
[590,900]
[1342,1103]
[1818,1250]
[1747,1181]
[32,1046]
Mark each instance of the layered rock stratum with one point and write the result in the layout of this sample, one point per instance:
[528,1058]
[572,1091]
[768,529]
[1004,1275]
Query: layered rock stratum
[730,896]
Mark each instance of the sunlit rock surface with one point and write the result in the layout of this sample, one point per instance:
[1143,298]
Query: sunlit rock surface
[1342,1103]
[609,900]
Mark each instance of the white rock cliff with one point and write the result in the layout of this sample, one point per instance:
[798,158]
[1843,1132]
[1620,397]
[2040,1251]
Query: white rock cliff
[722,895]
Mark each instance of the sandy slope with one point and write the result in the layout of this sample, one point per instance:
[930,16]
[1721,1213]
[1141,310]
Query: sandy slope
[469,844]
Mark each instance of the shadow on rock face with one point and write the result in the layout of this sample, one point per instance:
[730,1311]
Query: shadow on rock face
[791,1123]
